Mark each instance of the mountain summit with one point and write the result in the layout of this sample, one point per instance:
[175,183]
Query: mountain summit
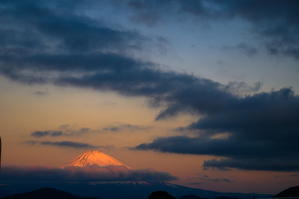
[96,158]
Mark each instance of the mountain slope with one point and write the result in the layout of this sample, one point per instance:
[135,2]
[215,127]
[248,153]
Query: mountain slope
[290,192]
[96,158]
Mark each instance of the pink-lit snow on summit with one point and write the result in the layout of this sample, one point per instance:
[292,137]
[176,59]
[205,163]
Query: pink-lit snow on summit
[96,158]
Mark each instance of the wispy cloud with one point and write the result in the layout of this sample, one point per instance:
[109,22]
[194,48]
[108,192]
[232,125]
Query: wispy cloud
[62,132]
[46,133]
[68,144]
[68,131]
[207,178]
[124,127]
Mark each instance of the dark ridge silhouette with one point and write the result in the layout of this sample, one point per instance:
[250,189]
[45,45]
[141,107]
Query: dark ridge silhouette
[160,195]
[290,192]
[191,196]
[115,190]
[45,193]
[224,197]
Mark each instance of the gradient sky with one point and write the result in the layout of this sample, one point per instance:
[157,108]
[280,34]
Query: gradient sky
[205,90]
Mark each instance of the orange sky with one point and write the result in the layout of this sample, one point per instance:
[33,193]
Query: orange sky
[23,112]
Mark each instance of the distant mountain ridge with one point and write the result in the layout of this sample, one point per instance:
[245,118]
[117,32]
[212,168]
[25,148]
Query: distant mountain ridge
[132,190]
[45,193]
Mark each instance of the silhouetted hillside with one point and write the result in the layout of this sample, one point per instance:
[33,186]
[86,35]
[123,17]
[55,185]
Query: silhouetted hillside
[160,195]
[290,192]
[121,190]
[191,197]
[45,193]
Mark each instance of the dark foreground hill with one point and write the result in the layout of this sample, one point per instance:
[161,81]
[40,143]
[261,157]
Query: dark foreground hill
[45,193]
[160,195]
[122,190]
[290,192]
[191,197]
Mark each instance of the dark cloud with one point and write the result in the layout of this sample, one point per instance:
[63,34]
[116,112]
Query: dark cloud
[242,88]
[63,132]
[277,24]
[283,164]
[41,36]
[159,86]
[68,49]
[262,128]
[124,127]
[241,154]
[46,133]
[68,144]
[49,23]
[74,174]
[274,22]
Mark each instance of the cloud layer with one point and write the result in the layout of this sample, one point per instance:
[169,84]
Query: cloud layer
[68,144]
[67,131]
[262,128]
[73,174]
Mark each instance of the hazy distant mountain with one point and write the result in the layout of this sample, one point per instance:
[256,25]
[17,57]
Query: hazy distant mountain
[45,193]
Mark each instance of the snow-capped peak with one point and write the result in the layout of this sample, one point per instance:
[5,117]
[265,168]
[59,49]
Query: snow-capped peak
[96,158]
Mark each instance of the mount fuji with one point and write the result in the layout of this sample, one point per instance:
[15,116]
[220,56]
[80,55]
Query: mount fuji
[95,158]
